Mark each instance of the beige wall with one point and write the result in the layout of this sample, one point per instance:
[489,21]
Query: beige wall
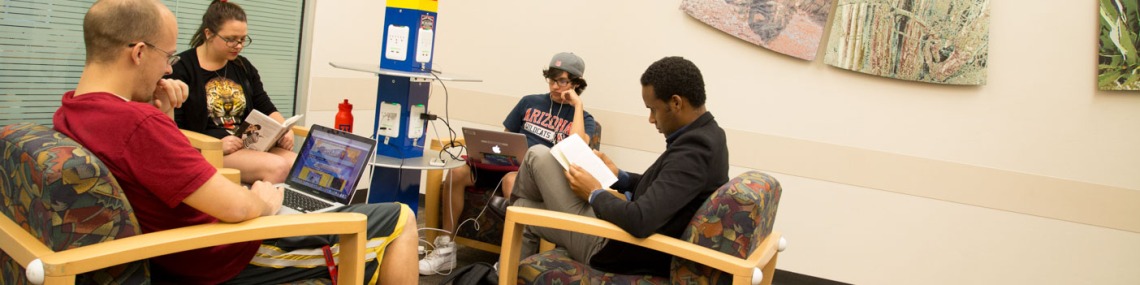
[1029,179]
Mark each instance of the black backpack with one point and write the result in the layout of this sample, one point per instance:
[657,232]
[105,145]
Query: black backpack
[479,273]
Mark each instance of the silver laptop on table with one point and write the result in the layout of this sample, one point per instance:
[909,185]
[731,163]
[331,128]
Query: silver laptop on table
[326,171]
[495,147]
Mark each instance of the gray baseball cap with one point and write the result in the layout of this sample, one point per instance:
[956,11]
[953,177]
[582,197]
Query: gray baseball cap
[569,62]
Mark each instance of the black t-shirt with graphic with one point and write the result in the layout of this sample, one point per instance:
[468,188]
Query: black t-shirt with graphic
[219,100]
[543,121]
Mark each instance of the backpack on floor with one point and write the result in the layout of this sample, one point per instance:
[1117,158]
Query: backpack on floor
[479,273]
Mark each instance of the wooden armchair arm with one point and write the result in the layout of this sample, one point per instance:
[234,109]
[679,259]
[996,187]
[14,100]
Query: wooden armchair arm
[211,149]
[22,246]
[300,131]
[61,267]
[438,144]
[764,256]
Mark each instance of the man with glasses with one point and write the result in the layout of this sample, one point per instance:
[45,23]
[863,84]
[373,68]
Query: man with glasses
[545,119]
[122,111]
[171,58]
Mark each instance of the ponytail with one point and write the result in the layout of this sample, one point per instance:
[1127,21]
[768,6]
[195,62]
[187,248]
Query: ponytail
[219,12]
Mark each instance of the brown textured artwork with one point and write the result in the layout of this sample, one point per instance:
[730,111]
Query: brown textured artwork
[791,27]
[936,41]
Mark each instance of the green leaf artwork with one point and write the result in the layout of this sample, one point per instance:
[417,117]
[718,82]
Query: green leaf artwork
[1119,24]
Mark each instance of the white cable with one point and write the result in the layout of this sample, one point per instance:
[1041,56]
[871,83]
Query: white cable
[435,229]
[371,166]
[484,210]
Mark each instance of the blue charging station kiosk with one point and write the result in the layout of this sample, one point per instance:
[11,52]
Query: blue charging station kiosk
[405,76]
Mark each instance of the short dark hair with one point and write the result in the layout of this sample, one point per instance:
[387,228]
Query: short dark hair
[675,75]
[216,15]
[110,25]
[578,80]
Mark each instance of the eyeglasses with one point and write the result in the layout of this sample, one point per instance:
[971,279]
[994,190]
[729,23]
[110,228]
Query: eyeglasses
[561,82]
[171,58]
[244,41]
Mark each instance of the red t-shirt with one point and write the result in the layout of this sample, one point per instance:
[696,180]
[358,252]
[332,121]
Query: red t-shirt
[157,168]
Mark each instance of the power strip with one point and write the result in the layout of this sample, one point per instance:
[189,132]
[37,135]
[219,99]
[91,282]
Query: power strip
[415,122]
[389,124]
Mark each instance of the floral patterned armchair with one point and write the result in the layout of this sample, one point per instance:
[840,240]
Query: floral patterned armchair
[729,241]
[66,220]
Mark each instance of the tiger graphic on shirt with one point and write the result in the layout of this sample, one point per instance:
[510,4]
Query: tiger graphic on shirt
[225,101]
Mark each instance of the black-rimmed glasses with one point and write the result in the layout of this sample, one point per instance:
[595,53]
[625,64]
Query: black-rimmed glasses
[243,41]
[171,58]
[561,82]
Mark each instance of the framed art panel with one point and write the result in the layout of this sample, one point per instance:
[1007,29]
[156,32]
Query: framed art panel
[935,41]
[791,27]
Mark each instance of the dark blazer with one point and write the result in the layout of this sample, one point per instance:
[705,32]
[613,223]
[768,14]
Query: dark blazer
[665,197]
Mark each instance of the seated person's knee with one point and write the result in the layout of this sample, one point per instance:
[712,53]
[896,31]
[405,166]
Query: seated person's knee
[509,183]
[461,175]
[277,169]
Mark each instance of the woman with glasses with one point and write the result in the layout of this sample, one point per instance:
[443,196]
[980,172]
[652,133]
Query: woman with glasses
[224,88]
[545,119]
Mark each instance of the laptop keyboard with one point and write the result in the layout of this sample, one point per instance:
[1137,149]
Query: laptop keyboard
[303,203]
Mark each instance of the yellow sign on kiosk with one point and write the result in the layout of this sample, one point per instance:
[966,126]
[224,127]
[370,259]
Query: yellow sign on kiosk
[422,5]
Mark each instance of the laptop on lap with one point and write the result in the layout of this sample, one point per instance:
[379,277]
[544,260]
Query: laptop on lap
[327,169]
[495,147]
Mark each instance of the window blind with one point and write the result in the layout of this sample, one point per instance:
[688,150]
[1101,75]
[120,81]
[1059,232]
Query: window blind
[42,53]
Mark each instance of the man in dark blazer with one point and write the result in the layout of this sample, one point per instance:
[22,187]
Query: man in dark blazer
[662,200]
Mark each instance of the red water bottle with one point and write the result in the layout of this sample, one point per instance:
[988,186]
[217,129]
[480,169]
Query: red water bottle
[344,117]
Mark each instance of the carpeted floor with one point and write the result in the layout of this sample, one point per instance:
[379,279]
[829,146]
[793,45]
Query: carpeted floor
[465,256]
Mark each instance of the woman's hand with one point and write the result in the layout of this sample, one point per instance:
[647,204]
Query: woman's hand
[286,141]
[231,144]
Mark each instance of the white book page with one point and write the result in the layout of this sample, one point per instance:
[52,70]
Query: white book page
[292,120]
[572,150]
[259,131]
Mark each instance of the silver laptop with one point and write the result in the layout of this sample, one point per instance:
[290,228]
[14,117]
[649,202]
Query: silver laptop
[495,147]
[326,171]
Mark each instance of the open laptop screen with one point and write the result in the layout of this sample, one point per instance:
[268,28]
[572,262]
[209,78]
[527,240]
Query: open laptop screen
[330,163]
[495,147]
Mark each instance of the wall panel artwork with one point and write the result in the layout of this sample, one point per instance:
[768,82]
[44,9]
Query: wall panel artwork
[936,41]
[791,27]
[1119,65]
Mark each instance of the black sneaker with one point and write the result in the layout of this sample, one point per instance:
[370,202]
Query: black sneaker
[498,205]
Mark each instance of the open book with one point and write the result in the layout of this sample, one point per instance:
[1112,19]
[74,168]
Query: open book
[573,150]
[260,132]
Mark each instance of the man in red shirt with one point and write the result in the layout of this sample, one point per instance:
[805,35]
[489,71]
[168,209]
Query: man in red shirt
[122,111]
